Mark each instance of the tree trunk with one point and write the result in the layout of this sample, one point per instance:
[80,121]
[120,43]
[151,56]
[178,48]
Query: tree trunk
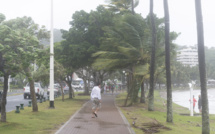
[68,81]
[152,62]
[202,71]
[94,77]
[61,87]
[167,62]
[33,95]
[142,98]
[101,77]
[4,97]
[86,89]
[129,88]
[32,90]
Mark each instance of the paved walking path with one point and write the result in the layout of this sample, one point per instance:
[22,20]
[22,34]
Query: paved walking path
[109,121]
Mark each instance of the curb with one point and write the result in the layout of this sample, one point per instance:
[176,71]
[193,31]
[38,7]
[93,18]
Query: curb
[125,120]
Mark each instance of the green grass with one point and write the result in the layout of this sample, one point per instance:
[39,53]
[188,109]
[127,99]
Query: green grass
[46,121]
[181,124]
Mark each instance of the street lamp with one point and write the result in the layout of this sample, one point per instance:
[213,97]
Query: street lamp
[51,95]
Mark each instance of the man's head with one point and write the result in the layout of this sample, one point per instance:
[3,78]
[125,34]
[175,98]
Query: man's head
[97,84]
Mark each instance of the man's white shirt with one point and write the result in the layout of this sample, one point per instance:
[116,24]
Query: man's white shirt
[96,93]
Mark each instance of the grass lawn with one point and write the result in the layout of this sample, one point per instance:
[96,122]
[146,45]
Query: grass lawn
[46,121]
[155,121]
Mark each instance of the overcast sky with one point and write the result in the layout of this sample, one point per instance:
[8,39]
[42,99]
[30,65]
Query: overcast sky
[182,14]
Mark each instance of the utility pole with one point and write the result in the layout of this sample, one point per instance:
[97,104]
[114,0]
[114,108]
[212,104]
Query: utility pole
[51,95]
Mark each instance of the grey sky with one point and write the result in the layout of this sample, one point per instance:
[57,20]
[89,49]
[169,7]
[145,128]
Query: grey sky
[182,14]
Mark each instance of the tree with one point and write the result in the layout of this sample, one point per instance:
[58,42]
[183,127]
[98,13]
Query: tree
[2,17]
[168,70]
[60,74]
[83,38]
[8,62]
[152,62]
[26,48]
[202,71]
[122,6]
[210,62]
[123,48]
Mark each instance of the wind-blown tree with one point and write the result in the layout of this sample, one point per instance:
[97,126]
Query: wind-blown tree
[8,62]
[42,73]
[202,71]
[122,6]
[27,48]
[63,57]
[123,48]
[83,38]
[60,74]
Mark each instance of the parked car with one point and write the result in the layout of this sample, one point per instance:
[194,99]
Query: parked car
[57,90]
[39,91]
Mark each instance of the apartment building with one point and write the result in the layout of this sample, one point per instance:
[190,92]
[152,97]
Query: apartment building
[188,57]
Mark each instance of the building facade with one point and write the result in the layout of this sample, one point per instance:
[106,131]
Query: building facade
[188,57]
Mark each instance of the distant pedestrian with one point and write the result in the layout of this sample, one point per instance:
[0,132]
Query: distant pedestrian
[105,89]
[96,99]
[194,102]
[112,88]
[200,104]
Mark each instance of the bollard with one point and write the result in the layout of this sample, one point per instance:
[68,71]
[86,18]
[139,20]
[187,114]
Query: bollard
[21,107]
[17,109]
[29,104]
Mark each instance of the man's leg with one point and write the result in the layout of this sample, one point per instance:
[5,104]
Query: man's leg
[93,111]
[93,108]
[98,105]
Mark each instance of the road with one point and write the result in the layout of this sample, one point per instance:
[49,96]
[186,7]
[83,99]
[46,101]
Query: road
[13,101]
[16,100]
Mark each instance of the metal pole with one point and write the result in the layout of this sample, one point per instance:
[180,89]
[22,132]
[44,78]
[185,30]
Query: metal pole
[9,84]
[51,97]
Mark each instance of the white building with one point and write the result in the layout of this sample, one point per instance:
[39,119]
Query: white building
[188,57]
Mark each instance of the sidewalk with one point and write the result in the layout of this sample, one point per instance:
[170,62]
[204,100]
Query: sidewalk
[109,121]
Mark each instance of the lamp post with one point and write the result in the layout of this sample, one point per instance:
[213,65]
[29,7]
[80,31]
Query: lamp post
[51,95]
[9,83]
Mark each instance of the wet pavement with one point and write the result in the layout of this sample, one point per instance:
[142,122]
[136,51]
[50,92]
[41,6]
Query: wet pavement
[110,120]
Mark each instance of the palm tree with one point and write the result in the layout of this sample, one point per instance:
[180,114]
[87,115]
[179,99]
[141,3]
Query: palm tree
[202,71]
[168,72]
[122,6]
[152,63]
[126,51]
